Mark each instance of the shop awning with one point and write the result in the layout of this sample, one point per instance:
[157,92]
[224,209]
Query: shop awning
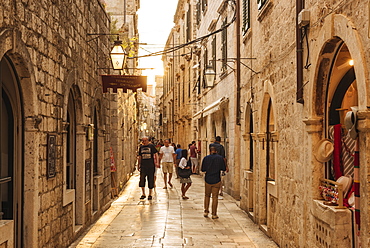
[211,108]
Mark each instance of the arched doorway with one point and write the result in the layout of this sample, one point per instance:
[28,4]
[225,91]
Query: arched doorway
[11,167]
[267,196]
[74,137]
[341,97]
[246,173]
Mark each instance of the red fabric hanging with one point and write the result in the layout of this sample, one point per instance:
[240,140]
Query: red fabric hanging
[337,151]
[357,186]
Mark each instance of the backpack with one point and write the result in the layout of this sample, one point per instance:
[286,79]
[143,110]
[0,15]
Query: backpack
[185,173]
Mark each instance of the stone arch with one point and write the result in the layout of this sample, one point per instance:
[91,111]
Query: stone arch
[73,84]
[248,130]
[16,51]
[268,94]
[336,30]
[76,196]
[97,104]
[247,163]
[18,55]
[267,157]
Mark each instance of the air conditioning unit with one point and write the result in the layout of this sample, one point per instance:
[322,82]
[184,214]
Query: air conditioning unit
[303,18]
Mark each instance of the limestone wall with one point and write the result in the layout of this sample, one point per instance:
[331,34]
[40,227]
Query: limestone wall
[53,54]
[272,166]
[271,40]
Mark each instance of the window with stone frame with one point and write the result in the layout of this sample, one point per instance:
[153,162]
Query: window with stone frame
[188,25]
[204,5]
[246,15]
[71,144]
[205,63]
[7,152]
[261,3]
[189,84]
[96,144]
[199,12]
[224,46]
[214,53]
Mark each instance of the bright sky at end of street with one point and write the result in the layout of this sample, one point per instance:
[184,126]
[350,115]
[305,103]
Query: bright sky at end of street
[154,24]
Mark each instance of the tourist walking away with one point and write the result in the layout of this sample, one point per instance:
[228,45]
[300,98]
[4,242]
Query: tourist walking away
[178,158]
[184,173]
[212,165]
[146,166]
[220,151]
[167,156]
[194,158]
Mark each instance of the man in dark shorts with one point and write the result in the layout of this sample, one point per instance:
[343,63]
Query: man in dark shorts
[146,166]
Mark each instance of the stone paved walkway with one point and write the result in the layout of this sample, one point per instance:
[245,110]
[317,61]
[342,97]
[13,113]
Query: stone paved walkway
[170,221]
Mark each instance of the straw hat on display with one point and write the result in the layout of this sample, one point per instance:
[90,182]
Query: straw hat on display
[346,182]
[323,150]
[350,121]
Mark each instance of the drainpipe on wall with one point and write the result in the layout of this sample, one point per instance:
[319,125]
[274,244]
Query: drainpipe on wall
[237,152]
[299,93]
[238,66]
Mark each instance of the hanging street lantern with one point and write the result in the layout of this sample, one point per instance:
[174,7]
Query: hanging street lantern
[210,75]
[145,112]
[117,55]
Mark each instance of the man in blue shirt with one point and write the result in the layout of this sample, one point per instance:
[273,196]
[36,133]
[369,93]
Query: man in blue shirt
[178,158]
[220,148]
[220,151]
[212,165]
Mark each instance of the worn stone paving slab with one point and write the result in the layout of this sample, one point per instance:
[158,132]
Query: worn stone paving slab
[169,221]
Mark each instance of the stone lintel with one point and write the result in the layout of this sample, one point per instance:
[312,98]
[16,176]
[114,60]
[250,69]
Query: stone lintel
[31,123]
[363,123]
[254,136]
[260,136]
[313,125]
[246,137]
[275,136]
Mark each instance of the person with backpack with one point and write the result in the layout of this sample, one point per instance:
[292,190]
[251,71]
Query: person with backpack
[184,171]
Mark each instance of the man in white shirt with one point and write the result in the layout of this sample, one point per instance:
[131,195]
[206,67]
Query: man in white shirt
[167,156]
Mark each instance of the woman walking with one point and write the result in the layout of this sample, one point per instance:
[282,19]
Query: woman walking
[184,173]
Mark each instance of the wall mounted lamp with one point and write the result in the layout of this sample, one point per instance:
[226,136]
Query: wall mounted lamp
[145,112]
[210,75]
[90,132]
[117,55]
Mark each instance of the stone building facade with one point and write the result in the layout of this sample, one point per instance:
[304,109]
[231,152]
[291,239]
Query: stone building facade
[287,74]
[179,78]
[57,126]
[125,106]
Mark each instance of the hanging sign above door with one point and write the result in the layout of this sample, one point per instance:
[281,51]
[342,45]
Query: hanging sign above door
[123,82]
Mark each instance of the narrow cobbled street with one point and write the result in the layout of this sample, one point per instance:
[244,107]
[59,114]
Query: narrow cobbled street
[170,221]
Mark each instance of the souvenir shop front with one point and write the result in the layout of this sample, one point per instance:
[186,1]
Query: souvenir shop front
[339,88]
